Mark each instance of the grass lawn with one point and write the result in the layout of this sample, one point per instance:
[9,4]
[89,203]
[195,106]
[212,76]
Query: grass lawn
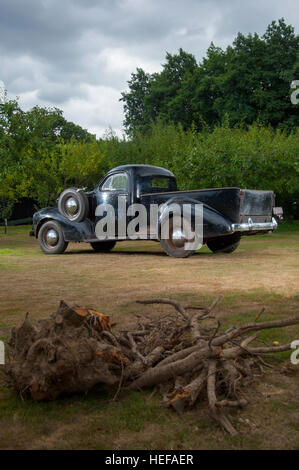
[264,271]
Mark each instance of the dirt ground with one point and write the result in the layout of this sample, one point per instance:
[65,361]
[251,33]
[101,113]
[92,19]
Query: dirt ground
[263,271]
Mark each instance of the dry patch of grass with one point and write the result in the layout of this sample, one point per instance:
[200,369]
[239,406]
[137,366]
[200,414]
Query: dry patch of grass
[263,271]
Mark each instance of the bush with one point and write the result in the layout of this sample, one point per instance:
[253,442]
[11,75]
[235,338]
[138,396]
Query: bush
[256,157]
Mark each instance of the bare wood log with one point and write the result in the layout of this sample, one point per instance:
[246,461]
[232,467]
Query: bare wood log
[235,351]
[134,348]
[111,337]
[196,332]
[249,327]
[160,374]
[183,353]
[211,392]
[213,305]
[187,396]
[215,333]
[138,367]
[259,314]
[269,349]
[172,302]
[164,372]
[195,327]
[231,377]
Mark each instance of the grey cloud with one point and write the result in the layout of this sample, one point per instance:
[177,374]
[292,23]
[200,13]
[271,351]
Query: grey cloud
[59,92]
[52,50]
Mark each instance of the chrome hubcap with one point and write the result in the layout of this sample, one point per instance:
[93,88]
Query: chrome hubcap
[71,206]
[178,238]
[52,237]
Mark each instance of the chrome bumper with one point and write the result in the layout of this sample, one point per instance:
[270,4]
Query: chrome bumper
[253,226]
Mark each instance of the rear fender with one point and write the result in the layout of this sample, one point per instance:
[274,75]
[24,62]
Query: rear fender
[214,223]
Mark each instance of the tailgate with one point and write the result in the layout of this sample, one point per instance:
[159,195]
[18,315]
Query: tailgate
[256,204]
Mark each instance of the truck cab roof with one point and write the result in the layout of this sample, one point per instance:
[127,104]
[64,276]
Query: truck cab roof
[144,170]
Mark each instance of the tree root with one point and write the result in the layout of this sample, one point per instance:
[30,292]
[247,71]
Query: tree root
[184,354]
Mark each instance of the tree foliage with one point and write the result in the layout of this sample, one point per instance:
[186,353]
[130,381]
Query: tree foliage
[134,101]
[253,157]
[31,152]
[35,163]
[249,80]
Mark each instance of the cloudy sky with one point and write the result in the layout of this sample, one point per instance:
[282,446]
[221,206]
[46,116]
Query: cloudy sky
[77,55]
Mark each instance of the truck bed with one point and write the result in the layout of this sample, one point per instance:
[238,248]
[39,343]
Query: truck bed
[234,203]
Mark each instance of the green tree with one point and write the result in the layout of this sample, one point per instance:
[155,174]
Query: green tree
[82,164]
[165,86]
[136,116]
[70,130]
[201,91]
[256,81]
[150,96]
[30,151]
[248,81]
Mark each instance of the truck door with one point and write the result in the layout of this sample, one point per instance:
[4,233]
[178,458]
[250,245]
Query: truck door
[114,192]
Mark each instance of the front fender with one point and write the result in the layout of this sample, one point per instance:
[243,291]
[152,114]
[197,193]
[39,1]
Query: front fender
[72,231]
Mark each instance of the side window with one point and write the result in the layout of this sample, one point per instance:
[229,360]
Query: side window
[117,182]
[159,182]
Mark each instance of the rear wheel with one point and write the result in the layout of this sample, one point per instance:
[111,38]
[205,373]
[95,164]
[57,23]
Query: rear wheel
[51,240]
[226,244]
[103,246]
[174,243]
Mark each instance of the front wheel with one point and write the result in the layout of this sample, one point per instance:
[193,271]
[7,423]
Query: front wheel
[225,244]
[103,246]
[51,240]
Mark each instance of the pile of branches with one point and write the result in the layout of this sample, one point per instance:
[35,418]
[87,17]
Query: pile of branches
[184,354]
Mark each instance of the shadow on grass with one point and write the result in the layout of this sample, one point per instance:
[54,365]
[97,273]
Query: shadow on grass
[128,252]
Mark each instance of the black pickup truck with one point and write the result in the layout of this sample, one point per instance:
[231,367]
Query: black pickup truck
[227,213]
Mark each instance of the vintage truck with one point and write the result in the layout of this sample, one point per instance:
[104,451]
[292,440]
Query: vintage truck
[228,213]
